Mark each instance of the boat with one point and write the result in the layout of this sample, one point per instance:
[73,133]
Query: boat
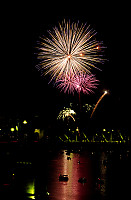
[63,177]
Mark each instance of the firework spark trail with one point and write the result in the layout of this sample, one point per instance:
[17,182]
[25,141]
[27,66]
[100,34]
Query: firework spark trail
[98,103]
[69,48]
[72,117]
[80,83]
[66,113]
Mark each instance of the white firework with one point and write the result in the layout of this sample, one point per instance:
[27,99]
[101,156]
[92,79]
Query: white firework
[70,48]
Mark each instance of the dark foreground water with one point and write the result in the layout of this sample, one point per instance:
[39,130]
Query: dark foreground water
[32,172]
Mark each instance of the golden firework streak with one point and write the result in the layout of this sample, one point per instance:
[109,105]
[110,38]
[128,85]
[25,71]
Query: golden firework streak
[98,103]
[71,117]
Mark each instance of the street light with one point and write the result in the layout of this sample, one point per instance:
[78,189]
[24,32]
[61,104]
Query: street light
[12,129]
[24,122]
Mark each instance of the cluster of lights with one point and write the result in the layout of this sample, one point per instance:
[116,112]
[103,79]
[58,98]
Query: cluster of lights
[108,136]
[16,128]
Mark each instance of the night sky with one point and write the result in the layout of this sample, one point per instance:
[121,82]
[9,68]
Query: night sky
[24,91]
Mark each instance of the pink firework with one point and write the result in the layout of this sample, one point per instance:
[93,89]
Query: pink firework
[84,83]
[66,83]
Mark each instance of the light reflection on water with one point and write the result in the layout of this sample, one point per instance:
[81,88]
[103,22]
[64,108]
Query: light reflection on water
[113,172]
[41,178]
[30,189]
[71,189]
[103,174]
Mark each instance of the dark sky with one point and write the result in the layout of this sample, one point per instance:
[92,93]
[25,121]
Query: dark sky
[23,90]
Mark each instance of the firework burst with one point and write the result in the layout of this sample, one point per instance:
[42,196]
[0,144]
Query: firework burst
[84,83]
[66,112]
[69,48]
